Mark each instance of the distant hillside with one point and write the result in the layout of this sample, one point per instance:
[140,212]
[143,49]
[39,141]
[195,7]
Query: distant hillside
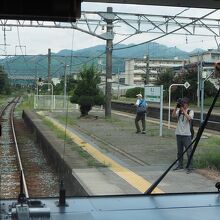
[38,65]
[152,49]
[196,51]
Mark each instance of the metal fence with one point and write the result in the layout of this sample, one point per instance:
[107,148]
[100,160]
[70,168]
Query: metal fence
[53,102]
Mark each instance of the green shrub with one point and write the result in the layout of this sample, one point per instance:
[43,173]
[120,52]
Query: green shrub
[131,93]
[99,99]
[86,100]
[74,98]
[87,92]
[86,103]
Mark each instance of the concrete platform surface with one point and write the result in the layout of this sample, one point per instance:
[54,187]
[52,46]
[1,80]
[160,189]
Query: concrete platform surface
[132,162]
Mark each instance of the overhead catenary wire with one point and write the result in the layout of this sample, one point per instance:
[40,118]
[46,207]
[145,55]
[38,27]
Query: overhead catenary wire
[130,35]
[19,43]
[166,34]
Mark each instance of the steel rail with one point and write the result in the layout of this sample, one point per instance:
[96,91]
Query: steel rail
[17,150]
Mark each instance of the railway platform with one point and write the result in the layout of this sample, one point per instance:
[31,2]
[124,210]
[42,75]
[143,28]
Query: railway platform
[130,162]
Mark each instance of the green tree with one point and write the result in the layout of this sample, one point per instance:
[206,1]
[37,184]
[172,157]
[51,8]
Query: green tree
[131,93]
[210,89]
[166,78]
[4,82]
[87,92]
[70,85]
[189,76]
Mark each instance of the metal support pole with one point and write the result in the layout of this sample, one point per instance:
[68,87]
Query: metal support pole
[202,83]
[202,100]
[64,93]
[118,83]
[169,106]
[198,82]
[37,90]
[161,110]
[49,65]
[147,70]
[109,46]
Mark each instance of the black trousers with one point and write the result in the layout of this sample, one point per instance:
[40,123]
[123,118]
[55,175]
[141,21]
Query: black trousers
[140,116]
[182,143]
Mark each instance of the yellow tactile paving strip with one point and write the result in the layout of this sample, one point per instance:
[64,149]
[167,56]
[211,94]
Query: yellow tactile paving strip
[129,176]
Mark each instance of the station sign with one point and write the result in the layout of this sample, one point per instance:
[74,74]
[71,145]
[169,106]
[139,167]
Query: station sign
[152,93]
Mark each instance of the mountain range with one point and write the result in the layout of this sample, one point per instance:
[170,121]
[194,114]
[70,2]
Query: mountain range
[37,65]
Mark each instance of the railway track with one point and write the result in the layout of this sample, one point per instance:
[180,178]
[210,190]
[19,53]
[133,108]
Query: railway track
[9,165]
[23,170]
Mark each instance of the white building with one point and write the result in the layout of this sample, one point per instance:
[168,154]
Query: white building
[135,69]
[115,77]
[206,56]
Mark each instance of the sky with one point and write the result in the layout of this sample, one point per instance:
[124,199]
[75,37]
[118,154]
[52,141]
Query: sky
[23,40]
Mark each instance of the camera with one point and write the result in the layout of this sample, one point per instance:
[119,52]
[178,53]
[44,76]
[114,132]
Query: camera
[179,103]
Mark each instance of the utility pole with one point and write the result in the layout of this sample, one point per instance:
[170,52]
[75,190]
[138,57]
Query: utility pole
[118,82]
[147,70]
[202,83]
[49,65]
[198,80]
[64,92]
[109,45]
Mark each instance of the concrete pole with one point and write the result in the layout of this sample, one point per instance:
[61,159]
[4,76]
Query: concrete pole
[198,82]
[118,82]
[109,45]
[169,106]
[49,66]
[64,93]
[147,69]
[161,110]
[202,100]
[202,82]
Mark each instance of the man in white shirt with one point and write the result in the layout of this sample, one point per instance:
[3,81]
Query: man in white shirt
[183,133]
[141,105]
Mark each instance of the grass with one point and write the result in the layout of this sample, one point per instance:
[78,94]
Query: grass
[26,103]
[91,162]
[60,134]
[208,160]
[118,122]
[70,120]
[3,99]
[208,101]
[208,153]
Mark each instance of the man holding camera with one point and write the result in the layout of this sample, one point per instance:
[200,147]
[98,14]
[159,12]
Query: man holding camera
[183,133]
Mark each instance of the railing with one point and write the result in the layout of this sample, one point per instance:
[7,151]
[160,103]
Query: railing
[53,102]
